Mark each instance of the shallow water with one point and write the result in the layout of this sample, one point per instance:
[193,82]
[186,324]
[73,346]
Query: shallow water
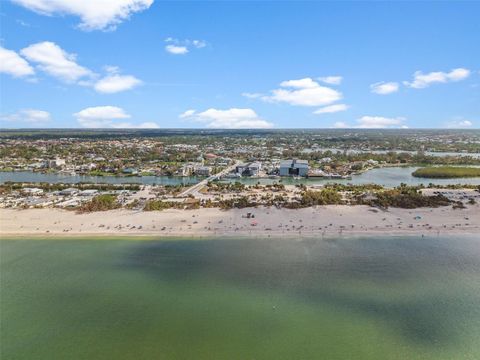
[356,298]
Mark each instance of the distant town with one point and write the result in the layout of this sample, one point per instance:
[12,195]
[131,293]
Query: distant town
[214,168]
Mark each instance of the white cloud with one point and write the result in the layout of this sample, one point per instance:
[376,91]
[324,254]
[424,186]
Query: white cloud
[182,47]
[187,114]
[331,109]
[199,43]
[384,88]
[252,95]
[106,116]
[13,64]
[100,116]
[55,61]
[94,14]
[421,80]
[374,122]
[31,116]
[228,119]
[176,50]
[115,83]
[340,125]
[127,125]
[331,80]
[303,92]
[306,83]
[459,124]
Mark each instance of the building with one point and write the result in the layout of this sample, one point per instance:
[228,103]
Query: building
[294,167]
[89,192]
[130,171]
[68,192]
[54,164]
[32,191]
[202,171]
[251,169]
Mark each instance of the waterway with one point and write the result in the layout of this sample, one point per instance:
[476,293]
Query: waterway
[387,176]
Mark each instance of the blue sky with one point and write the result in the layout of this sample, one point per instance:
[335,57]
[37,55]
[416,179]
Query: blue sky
[229,64]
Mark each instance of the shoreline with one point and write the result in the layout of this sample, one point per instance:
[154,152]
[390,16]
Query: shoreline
[331,221]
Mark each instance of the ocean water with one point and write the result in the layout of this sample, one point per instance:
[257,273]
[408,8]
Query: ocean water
[351,298]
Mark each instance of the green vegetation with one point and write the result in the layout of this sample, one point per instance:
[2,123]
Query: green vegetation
[447,172]
[10,186]
[226,187]
[323,197]
[157,205]
[100,203]
[407,197]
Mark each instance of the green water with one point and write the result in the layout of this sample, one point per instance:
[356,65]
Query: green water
[390,298]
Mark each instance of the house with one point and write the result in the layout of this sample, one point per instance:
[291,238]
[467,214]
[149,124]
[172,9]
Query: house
[294,167]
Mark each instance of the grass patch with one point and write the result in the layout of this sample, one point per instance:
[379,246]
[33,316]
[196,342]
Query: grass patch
[447,172]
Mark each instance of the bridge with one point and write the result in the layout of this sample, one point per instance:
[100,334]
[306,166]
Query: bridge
[193,190]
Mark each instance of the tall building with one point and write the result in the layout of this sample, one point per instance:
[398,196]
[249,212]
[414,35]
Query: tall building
[294,167]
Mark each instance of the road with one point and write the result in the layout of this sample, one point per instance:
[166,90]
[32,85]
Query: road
[193,190]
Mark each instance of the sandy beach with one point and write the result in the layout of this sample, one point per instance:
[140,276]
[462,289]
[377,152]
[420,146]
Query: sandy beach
[332,220]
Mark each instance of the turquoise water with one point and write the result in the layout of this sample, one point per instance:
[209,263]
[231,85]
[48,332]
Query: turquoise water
[356,298]
[389,177]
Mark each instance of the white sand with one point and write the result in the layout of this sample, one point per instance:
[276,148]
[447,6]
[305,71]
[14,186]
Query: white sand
[327,221]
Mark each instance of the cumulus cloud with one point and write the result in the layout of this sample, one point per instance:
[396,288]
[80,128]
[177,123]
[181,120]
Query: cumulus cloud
[421,80]
[100,116]
[459,124]
[114,82]
[384,88]
[187,114]
[182,47]
[56,62]
[30,116]
[331,80]
[127,125]
[13,64]
[331,109]
[374,122]
[303,92]
[233,118]
[176,49]
[341,125]
[94,14]
[306,83]
[107,116]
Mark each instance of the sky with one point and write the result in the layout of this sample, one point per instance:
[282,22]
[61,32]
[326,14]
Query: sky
[239,64]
